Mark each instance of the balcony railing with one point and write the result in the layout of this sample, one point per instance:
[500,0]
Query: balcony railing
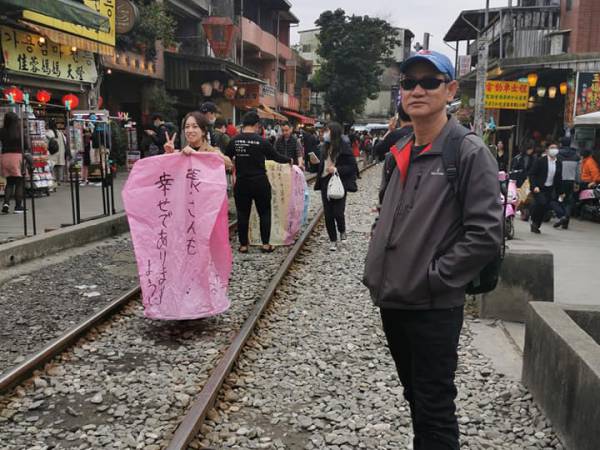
[264,41]
[521,32]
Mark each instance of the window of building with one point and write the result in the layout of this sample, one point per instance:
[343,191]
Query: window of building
[569,5]
[281,80]
[306,48]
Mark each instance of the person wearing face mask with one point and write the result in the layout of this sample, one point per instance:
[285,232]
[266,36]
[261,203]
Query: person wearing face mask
[336,157]
[546,184]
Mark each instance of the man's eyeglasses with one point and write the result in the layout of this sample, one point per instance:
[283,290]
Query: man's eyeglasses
[429,84]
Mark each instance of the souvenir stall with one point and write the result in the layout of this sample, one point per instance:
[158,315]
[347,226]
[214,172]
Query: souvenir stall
[41,181]
[133,152]
[96,122]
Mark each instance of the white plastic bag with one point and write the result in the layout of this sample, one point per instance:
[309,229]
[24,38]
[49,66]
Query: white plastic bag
[335,188]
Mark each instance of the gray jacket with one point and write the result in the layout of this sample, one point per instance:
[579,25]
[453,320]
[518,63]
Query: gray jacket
[428,244]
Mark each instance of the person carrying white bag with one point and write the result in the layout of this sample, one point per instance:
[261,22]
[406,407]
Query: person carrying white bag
[336,177]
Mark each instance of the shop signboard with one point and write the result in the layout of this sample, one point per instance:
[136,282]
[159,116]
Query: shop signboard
[588,93]
[267,90]
[104,7]
[305,99]
[506,95]
[24,53]
[126,16]
[464,65]
[570,103]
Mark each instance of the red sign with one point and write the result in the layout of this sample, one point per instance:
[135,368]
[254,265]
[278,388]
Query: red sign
[220,32]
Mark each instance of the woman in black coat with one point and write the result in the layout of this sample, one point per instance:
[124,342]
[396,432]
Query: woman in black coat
[336,156]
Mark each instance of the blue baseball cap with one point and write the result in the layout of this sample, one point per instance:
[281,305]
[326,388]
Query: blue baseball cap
[439,61]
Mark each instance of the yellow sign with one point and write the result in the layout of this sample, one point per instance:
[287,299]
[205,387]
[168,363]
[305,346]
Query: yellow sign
[104,7]
[506,95]
[24,53]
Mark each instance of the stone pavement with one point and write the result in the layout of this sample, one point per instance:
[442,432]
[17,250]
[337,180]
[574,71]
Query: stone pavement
[54,211]
[576,257]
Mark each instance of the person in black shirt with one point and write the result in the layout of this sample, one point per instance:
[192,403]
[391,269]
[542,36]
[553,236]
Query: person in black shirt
[394,134]
[249,151]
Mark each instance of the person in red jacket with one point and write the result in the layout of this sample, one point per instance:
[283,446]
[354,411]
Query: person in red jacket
[231,129]
[590,169]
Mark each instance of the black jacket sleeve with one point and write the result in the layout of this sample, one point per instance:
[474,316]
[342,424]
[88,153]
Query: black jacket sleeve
[271,153]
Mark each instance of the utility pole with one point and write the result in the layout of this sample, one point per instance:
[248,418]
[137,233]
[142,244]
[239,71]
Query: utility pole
[482,67]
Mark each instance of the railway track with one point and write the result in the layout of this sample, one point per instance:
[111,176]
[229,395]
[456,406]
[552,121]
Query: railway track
[127,309]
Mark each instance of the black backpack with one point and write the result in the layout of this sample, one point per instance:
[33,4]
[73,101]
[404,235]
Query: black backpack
[488,277]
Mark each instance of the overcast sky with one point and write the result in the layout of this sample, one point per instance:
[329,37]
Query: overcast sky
[419,16]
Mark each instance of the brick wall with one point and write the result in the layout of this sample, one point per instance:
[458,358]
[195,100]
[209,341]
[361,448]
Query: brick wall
[584,21]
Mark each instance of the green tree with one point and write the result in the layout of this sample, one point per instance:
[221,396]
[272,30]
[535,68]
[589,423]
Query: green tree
[160,102]
[354,50]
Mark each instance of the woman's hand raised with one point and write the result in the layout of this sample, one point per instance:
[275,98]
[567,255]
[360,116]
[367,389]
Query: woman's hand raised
[170,143]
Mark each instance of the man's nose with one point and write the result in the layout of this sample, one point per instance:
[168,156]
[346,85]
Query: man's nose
[418,90]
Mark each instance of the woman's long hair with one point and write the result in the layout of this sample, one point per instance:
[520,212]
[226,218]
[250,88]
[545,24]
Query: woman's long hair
[11,126]
[334,147]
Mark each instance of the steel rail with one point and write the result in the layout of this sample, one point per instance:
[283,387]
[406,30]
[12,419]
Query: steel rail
[23,370]
[194,418]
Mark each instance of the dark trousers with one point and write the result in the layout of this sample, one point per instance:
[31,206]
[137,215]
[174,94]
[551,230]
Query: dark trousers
[335,214]
[545,201]
[246,191]
[15,187]
[424,345]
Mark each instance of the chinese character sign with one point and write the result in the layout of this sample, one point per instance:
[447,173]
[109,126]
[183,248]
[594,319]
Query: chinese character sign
[506,95]
[24,53]
[177,211]
[288,200]
[588,93]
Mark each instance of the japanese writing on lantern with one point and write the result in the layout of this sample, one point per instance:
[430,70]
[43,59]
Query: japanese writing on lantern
[23,52]
[193,177]
[164,213]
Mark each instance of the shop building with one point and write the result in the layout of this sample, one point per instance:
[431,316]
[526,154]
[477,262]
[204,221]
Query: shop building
[543,44]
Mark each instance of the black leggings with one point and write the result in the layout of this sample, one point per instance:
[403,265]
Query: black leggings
[334,211]
[14,188]
[259,191]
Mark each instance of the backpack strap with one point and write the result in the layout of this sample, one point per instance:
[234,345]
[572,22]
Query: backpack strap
[451,155]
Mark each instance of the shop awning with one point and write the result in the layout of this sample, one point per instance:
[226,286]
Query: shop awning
[67,10]
[275,114]
[246,77]
[305,120]
[588,119]
[71,40]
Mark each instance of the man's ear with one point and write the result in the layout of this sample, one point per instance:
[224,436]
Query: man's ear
[452,89]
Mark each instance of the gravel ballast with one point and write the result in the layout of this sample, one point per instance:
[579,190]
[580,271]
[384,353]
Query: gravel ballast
[317,373]
[129,382]
[41,305]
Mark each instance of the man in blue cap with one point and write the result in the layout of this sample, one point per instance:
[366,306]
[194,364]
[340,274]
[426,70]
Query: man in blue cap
[440,224]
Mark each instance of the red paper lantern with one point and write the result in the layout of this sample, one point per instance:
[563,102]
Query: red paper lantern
[72,99]
[43,96]
[17,94]
[100,101]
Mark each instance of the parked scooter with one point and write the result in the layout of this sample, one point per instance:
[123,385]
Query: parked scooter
[590,204]
[510,200]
